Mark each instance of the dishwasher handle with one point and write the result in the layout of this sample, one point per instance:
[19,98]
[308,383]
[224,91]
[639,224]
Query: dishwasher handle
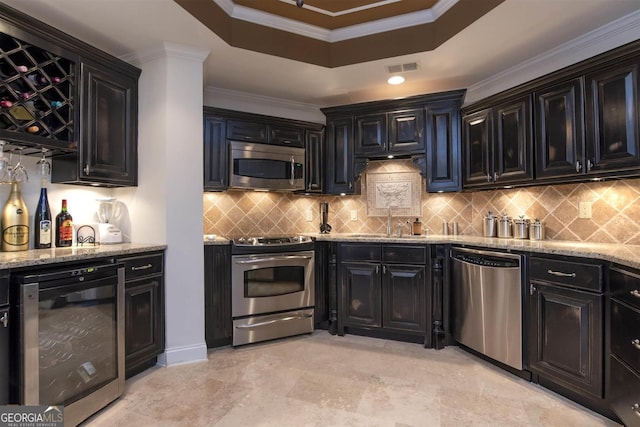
[486,259]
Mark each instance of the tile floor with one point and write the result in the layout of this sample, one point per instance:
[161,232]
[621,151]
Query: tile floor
[324,380]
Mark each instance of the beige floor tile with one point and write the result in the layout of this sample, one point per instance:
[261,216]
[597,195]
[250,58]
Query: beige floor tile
[324,380]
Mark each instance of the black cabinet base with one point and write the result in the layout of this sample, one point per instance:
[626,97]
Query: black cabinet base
[385,334]
[139,367]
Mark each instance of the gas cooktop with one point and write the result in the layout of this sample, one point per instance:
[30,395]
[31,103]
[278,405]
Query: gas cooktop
[263,241]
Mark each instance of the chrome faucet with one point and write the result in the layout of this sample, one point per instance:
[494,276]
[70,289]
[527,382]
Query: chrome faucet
[389,226]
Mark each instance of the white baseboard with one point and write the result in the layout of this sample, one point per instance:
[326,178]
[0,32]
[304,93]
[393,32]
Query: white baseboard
[182,355]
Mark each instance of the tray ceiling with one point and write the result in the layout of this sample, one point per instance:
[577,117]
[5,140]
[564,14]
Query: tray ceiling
[334,33]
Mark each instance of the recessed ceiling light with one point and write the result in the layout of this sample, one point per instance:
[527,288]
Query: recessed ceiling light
[395,80]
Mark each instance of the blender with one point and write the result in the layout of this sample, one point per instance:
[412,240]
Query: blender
[108,210]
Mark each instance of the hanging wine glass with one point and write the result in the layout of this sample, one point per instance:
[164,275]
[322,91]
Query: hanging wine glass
[19,172]
[43,166]
[4,162]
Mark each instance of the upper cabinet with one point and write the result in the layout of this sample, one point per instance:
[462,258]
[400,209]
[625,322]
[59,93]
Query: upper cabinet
[425,128]
[60,94]
[497,144]
[576,124]
[215,152]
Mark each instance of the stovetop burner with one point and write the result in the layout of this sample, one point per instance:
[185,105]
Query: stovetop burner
[261,241]
[251,245]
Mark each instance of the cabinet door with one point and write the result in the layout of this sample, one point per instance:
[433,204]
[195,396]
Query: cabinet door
[443,148]
[513,148]
[612,119]
[314,153]
[108,146]
[406,132]
[361,298]
[477,134]
[566,338]
[371,135]
[240,130]
[215,154]
[144,325]
[403,297]
[286,136]
[559,130]
[339,160]
[217,295]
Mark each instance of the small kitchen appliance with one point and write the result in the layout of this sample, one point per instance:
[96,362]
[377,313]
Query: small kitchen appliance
[108,209]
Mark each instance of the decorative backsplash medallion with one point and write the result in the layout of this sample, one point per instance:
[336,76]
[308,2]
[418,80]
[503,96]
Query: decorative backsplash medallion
[615,210]
[400,191]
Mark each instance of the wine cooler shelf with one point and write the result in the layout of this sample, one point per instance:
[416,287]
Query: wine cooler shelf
[37,90]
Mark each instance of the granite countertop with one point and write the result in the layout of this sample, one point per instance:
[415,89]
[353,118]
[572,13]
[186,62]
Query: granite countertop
[628,255]
[36,257]
[212,239]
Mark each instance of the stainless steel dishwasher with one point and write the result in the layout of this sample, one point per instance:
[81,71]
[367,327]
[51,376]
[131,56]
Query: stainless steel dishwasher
[486,291]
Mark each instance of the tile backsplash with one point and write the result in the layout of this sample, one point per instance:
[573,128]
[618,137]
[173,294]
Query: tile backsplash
[615,207]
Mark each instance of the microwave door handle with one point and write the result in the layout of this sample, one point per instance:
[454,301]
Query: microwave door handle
[293,170]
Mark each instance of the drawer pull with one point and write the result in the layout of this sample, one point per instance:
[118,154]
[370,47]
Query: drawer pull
[636,408]
[142,267]
[636,343]
[635,293]
[561,274]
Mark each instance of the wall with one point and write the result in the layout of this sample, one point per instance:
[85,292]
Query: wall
[615,210]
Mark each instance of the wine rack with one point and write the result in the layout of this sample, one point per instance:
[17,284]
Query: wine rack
[37,89]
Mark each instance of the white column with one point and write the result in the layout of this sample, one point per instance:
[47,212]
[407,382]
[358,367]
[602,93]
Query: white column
[166,207]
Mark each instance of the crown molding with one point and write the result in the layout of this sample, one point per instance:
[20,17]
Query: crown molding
[354,31]
[166,50]
[617,33]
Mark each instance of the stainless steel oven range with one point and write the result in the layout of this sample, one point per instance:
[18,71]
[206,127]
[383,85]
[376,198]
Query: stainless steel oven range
[272,288]
[70,334]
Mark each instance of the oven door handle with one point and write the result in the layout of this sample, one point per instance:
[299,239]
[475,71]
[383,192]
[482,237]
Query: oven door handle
[271,259]
[271,322]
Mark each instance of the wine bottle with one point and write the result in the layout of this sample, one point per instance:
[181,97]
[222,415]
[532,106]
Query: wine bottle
[42,235]
[15,222]
[64,227]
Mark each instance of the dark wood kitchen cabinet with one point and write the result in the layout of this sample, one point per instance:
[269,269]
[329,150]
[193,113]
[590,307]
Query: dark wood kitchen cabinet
[314,143]
[566,324]
[339,160]
[217,295]
[394,133]
[612,115]
[383,287]
[216,154]
[108,147]
[498,144]
[144,311]
[443,158]
[623,344]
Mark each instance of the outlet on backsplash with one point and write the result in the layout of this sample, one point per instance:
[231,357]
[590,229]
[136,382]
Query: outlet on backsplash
[585,210]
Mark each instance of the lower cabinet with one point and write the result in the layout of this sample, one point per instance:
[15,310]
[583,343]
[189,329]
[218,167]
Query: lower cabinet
[566,324]
[144,311]
[217,295]
[623,345]
[384,288]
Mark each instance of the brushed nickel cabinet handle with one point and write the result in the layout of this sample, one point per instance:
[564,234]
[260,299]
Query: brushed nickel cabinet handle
[578,166]
[635,293]
[5,319]
[532,289]
[636,343]
[142,267]
[636,408]
[488,177]
[86,169]
[561,274]
[589,165]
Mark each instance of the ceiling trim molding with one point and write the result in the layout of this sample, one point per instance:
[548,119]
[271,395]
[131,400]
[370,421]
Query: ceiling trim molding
[354,31]
[166,50]
[621,31]
[346,11]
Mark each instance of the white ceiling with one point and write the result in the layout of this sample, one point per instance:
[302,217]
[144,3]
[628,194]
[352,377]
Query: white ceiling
[506,37]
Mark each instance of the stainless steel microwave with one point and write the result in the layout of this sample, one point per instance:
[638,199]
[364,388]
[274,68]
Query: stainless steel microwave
[266,167]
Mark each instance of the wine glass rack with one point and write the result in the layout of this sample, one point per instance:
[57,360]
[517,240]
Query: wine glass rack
[37,90]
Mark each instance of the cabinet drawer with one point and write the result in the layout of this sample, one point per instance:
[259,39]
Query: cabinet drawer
[140,266]
[285,136]
[624,393]
[625,285]
[403,254]
[246,131]
[625,333]
[562,272]
[357,252]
